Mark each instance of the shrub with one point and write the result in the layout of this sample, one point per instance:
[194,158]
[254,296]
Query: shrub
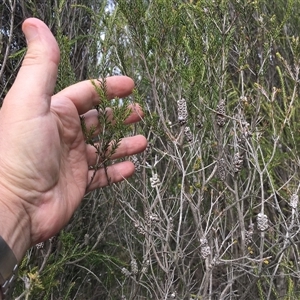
[212,211]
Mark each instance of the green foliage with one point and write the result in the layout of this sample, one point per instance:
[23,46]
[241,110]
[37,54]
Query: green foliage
[66,75]
[112,117]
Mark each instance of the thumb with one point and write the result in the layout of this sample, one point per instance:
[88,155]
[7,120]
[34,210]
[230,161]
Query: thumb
[32,90]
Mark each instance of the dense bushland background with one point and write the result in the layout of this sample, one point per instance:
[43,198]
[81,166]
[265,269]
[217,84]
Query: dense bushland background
[212,211]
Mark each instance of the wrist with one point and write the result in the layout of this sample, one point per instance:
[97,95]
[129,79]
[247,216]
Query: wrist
[14,239]
[8,269]
[14,224]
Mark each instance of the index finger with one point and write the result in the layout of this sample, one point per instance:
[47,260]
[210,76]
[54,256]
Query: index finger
[84,94]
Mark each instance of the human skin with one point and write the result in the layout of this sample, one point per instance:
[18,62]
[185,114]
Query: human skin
[44,160]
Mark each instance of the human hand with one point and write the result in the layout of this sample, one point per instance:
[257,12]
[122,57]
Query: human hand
[44,164]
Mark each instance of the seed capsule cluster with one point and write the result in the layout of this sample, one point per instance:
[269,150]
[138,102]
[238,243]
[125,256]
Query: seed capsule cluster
[262,222]
[205,249]
[237,162]
[182,111]
[222,169]
[154,180]
[249,234]
[188,134]
[221,111]
[182,119]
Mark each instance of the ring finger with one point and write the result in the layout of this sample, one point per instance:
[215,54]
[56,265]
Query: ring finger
[128,146]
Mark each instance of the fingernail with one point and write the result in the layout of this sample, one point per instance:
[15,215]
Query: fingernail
[30,32]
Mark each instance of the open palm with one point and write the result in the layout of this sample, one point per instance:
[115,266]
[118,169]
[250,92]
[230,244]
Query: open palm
[44,166]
